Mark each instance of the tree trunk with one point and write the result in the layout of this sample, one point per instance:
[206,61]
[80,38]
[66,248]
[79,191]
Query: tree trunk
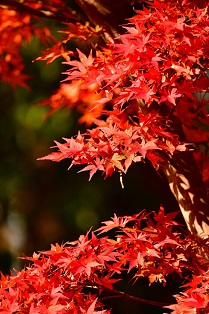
[186,184]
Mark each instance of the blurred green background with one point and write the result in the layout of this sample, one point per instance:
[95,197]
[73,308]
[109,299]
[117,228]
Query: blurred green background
[40,201]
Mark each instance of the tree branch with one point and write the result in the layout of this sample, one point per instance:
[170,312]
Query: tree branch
[121,294]
[110,14]
[69,16]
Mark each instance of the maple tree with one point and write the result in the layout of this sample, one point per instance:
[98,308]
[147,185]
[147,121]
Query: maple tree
[139,79]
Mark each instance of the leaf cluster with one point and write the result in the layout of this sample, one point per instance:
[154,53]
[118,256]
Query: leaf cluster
[148,76]
[71,278]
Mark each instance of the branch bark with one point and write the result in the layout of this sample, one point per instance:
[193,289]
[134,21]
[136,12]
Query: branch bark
[186,184]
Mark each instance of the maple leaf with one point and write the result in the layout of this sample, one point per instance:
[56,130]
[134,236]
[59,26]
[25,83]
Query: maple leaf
[143,147]
[165,219]
[54,309]
[79,67]
[33,309]
[114,223]
[97,165]
[171,97]
[155,61]
[56,51]
[166,241]
[11,308]
[115,160]
[91,309]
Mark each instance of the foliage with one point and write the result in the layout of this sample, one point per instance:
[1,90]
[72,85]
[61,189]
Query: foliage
[156,61]
[14,30]
[130,91]
[71,278]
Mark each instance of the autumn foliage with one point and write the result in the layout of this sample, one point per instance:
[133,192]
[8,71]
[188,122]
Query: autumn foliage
[156,61]
[132,92]
[145,245]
